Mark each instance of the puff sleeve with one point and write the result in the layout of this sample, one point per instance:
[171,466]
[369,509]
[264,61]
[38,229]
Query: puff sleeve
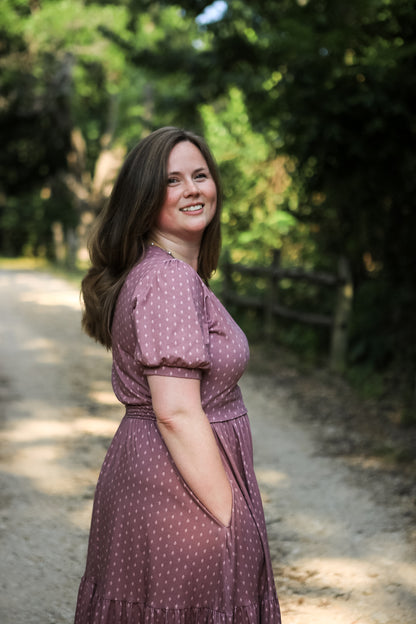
[170,322]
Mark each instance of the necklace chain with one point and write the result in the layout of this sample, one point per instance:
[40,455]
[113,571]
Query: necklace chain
[153,244]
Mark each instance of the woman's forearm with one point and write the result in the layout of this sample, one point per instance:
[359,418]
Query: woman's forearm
[191,442]
[192,445]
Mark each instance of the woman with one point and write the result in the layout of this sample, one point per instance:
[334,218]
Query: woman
[178,533]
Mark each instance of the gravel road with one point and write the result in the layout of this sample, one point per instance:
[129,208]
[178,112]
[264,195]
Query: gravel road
[341,555]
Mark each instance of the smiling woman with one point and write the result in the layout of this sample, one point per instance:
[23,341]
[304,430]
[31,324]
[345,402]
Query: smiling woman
[189,206]
[178,532]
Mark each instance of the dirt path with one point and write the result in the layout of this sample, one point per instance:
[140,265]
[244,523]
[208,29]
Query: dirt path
[341,556]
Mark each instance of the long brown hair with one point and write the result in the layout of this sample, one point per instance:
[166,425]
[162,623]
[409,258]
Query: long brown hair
[119,235]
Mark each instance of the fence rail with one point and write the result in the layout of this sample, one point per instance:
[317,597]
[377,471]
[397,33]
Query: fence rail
[337,322]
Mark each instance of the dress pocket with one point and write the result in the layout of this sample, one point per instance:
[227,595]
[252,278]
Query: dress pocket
[203,507]
[207,511]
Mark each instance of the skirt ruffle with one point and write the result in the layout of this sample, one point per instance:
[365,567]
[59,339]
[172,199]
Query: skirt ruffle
[94,609]
[156,554]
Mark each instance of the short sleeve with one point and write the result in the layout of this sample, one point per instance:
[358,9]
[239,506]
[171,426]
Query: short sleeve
[170,322]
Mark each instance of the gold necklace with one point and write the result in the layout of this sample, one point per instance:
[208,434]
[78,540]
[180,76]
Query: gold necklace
[153,244]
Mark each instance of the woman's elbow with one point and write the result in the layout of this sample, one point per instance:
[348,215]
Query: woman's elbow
[173,418]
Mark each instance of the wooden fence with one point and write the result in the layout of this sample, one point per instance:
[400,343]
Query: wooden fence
[337,323]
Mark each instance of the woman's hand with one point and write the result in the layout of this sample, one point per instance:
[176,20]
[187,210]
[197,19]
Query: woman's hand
[188,435]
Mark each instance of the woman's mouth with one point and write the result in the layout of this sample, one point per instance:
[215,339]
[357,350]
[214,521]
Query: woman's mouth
[192,208]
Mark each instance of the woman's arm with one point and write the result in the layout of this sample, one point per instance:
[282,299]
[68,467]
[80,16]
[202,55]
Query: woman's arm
[191,442]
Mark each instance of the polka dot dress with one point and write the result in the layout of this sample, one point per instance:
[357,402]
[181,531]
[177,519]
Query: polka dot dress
[156,554]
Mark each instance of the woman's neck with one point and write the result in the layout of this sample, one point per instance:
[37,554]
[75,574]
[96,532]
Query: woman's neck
[188,251]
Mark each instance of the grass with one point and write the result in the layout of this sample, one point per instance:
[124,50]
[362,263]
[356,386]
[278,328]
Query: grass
[23,264]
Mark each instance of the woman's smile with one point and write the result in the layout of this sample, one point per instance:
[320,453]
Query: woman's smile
[192,209]
[190,192]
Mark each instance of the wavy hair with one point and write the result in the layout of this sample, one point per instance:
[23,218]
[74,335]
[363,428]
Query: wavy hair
[120,233]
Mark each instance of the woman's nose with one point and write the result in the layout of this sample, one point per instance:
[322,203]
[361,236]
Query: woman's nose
[191,187]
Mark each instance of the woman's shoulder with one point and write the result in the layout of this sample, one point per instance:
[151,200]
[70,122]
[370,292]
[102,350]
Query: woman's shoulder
[158,269]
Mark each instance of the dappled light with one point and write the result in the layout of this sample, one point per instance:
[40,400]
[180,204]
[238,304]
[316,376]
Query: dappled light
[338,556]
[38,450]
[54,298]
[308,108]
[103,397]
[270,477]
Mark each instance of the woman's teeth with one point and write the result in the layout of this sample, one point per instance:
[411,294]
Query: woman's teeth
[191,208]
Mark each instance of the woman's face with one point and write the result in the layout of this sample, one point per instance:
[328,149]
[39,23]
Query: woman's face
[191,195]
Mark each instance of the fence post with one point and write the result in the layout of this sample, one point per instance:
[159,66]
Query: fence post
[339,336]
[271,296]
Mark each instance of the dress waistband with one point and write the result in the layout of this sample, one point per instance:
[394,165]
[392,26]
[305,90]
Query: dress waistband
[140,411]
[145,412]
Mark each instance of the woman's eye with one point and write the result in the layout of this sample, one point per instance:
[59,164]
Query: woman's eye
[202,176]
[172,180]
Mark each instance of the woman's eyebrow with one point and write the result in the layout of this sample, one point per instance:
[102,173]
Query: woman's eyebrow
[172,173]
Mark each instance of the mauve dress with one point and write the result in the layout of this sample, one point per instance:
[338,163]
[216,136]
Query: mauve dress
[155,553]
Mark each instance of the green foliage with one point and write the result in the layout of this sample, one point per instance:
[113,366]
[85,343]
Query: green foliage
[310,343]
[255,183]
[62,73]
[370,311]
[25,223]
[309,109]
[383,334]
[368,382]
[327,79]
[332,86]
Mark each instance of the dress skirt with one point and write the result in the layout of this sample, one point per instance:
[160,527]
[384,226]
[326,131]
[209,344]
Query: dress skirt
[156,554]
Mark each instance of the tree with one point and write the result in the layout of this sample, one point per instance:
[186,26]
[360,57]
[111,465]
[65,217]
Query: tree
[38,119]
[332,85]
[256,184]
[72,106]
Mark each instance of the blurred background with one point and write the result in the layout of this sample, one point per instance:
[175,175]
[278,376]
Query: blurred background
[309,108]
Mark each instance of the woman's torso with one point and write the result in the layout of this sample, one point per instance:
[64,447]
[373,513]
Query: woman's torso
[163,315]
